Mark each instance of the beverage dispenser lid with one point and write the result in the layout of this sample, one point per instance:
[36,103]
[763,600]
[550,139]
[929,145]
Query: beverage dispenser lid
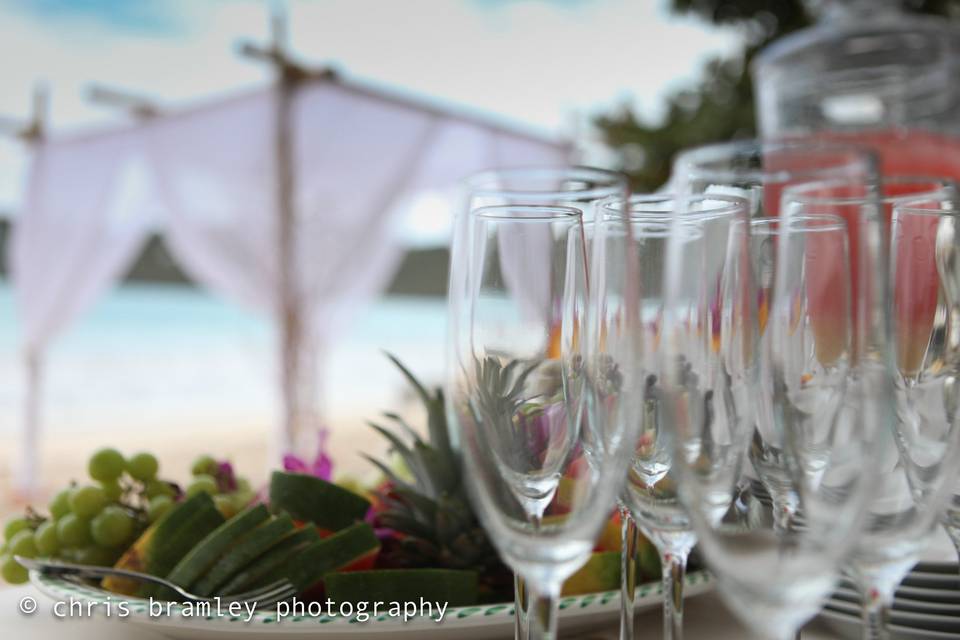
[862,24]
[867,53]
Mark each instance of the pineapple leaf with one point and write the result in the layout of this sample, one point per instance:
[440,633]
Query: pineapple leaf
[421,390]
[425,507]
[441,470]
[389,473]
[403,424]
[413,463]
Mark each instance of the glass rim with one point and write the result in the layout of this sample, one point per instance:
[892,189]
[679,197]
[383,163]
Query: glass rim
[538,213]
[910,207]
[603,182]
[828,222]
[942,187]
[690,162]
[731,204]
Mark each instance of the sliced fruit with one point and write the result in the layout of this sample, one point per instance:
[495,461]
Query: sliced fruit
[340,550]
[162,546]
[600,573]
[248,577]
[457,588]
[311,499]
[253,545]
[210,549]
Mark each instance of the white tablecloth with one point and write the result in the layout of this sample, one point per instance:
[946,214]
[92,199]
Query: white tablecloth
[706,619]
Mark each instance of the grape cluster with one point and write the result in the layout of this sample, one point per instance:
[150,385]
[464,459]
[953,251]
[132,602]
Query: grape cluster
[91,523]
[230,493]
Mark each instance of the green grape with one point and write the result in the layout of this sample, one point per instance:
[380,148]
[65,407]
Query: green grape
[112,490]
[156,488]
[60,505]
[225,505]
[158,506]
[73,531]
[106,465]
[204,465]
[46,539]
[244,485]
[12,571]
[97,556]
[202,483]
[112,527]
[242,498]
[88,501]
[15,526]
[23,544]
[143,467]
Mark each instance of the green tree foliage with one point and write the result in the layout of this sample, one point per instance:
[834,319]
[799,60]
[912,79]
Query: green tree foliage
[721,107]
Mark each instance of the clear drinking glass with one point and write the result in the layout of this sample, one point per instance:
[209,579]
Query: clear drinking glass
[542,479]
[578,187]
[761,171]
[915,462]
[773,576]
[649,493]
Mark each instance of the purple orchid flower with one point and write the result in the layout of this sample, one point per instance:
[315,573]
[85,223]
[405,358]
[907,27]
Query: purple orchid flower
[322,465]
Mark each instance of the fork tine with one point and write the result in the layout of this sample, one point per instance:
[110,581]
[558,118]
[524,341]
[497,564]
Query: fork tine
[263,604]
[275,588]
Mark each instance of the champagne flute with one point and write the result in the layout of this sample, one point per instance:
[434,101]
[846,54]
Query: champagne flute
[542,480]
[773,577]
[915,459]
[575,186]
[761,171]
[649,493]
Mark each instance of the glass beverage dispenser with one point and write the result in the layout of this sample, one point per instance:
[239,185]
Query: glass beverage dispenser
[871,74]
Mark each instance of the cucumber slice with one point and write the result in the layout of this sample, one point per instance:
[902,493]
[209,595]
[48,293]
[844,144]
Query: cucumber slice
[243,552]
[248,577]
[339,550]
[310,499]
[162,546]
[193,565]
[456,588]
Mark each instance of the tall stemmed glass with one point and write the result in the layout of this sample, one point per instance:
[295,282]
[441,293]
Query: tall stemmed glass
[543,481]
[650,490]
[761,171]
[916,457]
[925,272]
[773,577]
[578,187]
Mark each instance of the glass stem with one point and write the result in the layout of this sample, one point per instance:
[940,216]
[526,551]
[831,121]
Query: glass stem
[629,537]
[674,563]
[544,607]
[875,606]
[521,601]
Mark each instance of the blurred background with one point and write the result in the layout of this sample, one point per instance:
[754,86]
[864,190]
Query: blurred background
[162,364]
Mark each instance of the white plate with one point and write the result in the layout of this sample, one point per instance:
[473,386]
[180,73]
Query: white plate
[904,619]
[849,627]
[464,623]
[850,596]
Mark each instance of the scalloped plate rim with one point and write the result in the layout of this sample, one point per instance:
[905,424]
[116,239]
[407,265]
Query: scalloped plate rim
[480,621]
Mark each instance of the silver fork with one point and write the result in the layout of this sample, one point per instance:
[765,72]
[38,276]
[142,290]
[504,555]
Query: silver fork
[263,597]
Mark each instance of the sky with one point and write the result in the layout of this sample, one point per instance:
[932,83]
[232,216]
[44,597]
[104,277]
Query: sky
[548,65]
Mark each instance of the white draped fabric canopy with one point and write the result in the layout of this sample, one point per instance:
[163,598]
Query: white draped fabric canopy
[281,200]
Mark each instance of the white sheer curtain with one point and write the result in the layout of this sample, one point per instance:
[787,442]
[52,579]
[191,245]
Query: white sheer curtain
[85,214]
[355,155]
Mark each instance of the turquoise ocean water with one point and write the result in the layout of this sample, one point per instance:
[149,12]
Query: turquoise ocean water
[161,356]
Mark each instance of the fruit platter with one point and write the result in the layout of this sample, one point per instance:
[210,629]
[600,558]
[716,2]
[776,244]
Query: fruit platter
[406,555]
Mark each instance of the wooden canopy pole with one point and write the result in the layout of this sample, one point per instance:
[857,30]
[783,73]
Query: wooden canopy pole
[297,367]
[27,462]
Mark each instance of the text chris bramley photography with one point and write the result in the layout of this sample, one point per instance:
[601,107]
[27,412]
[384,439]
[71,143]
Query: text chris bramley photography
[216,608]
